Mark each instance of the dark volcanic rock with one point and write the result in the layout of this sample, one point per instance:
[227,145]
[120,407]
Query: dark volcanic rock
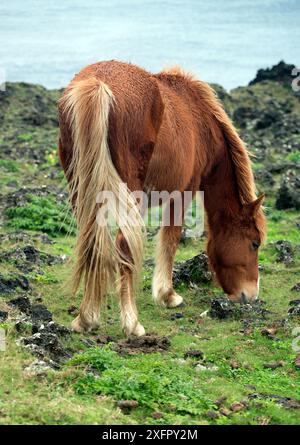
[193,353]
[176,316]
[223,308]
[22,196]
[282,72]
[3,316]
[286,402]
[28,105]
[26,258]
[20,303]
[37,313]
[264,177]
[288,195]
[46,345]
[195,271]
[25,237]
[294,310]
[243,114]
[285,251]
[12,282]
[40,313]
[53,328]
[268,118]
[296,288]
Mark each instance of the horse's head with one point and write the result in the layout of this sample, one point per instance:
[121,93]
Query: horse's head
[233,251]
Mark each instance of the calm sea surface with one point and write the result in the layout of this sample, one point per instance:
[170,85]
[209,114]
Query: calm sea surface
[223,41]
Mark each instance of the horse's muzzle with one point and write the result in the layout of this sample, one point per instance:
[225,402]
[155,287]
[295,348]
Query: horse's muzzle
[248,294]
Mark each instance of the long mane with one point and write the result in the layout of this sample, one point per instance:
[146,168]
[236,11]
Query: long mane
[236,147]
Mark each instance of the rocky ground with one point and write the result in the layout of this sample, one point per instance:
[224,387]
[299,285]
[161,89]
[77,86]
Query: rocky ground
[209,361]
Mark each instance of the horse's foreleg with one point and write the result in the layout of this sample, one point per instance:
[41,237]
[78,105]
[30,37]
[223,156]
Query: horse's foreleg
[129,314]
[167,243]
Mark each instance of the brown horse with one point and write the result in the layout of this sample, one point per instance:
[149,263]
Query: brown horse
[121,124]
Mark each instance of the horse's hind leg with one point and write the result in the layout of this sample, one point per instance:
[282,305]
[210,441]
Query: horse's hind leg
[89,313]
[129,314]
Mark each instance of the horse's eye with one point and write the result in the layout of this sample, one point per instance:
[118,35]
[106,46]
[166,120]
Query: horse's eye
[255,245]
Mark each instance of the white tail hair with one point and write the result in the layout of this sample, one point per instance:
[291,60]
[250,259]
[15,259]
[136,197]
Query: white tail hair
[86,105]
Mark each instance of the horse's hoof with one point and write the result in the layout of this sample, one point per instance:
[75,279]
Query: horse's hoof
[139,330]
[173,300]
[78,325]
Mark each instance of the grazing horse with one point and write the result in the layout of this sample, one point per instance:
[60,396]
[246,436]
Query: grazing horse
[123,129]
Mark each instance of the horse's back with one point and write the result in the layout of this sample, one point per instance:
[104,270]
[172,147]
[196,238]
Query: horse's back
[151,134]
[174,157]
[134,118]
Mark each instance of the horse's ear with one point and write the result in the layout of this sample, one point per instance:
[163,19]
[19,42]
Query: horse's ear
[253,207]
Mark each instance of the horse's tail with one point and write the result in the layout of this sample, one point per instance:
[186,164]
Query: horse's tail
[86,106]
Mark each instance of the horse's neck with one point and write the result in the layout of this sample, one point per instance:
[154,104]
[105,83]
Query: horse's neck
[220,191]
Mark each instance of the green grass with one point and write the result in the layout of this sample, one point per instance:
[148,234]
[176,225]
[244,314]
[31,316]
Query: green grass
[294,157]
[87,388]
[157,382]
[8,165]
[42,214]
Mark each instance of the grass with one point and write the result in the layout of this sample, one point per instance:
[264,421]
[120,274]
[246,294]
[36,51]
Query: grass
[9,166]
[43,214]
[87,388]
[168,387]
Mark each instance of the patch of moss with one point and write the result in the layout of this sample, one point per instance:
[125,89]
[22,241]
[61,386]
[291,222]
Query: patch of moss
[42,214]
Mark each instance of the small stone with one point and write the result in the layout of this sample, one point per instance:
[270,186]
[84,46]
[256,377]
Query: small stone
[176,316]
[204,314]
[20,303]
[3,315]
[247,366]
[36,368]
[294,311]
[234,364]
[292,404]
[294,303]
[219,402]
[273,365]
[39,312]
[208,367]
[127,404]
[269,332]
[225,412]
[285,251]
[296,287]
[157,415]
[194,353]
[195,270]
[212,414]
[72,310]
[237,406]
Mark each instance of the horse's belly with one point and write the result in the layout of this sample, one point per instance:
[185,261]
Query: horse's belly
[171,167]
